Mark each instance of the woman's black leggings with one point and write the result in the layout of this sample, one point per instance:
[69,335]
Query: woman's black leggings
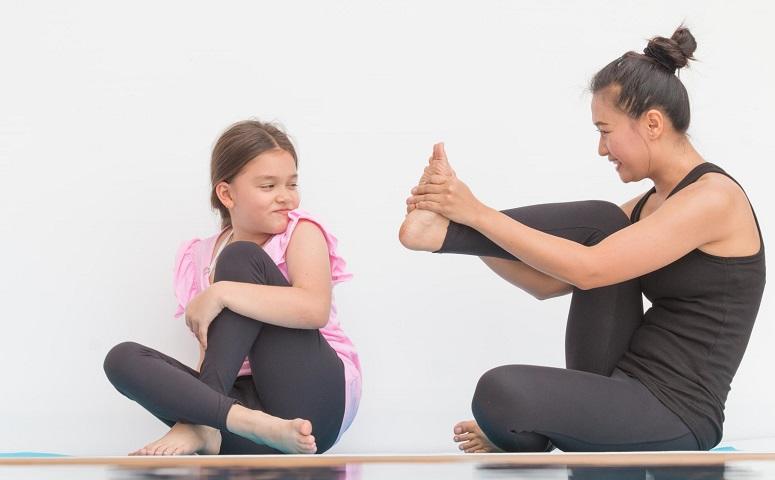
[295,372]
[591,405]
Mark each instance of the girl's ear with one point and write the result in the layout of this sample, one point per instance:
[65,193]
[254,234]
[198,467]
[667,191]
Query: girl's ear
[223,190]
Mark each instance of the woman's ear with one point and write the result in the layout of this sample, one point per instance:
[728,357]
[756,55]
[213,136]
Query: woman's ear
[223,190]
[655,123]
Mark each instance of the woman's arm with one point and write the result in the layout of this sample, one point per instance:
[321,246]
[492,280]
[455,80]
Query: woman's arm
[306,304]
[538,284]
[527,278]
[695,216]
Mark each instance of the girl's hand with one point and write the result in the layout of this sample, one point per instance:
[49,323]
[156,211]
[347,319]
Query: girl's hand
[448,196]
[202,310]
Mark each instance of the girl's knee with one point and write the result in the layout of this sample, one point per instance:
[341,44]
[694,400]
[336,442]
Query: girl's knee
[243,261]
[120,357]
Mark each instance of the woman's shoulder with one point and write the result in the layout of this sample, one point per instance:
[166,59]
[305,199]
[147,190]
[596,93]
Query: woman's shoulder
[716,191]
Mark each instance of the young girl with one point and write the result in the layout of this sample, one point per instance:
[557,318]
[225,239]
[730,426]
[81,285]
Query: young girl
[276,372]
[691,244]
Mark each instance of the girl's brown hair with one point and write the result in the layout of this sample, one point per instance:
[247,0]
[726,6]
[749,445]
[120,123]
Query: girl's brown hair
[238,145]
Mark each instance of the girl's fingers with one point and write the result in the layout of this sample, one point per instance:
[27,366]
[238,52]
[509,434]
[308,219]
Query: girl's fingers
[203,337]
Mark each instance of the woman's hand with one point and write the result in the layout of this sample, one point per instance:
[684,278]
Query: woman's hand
[202,310]
[450,197]
[437,165]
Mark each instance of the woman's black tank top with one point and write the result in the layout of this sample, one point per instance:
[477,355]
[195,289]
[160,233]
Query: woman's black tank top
[693,337]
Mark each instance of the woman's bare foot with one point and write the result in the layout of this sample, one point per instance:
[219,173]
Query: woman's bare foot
[424,230]
[185,439]
[472,438]
[288,436]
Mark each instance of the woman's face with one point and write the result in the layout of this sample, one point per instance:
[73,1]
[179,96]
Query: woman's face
[264,192]
[621,138]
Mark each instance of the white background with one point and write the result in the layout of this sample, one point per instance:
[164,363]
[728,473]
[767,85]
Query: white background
[108,112]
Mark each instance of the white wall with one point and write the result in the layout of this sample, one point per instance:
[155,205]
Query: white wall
[108,112]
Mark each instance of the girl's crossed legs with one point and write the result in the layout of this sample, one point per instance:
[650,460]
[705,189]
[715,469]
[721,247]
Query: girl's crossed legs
[296,375]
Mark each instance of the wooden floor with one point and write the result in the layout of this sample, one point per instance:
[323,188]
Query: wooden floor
[673,465]
[330,460]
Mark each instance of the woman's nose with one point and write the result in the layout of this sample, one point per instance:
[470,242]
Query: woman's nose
[602,149]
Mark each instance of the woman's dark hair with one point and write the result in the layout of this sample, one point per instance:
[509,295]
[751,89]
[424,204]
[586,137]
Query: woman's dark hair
[238,145]
[649,80]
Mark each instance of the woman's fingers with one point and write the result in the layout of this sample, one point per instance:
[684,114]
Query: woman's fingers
[429,188]
[417,199]
[430,206]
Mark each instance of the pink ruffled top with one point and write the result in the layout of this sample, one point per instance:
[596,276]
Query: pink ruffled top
[192,276]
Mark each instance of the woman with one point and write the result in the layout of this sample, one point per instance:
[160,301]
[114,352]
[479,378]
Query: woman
[691,244]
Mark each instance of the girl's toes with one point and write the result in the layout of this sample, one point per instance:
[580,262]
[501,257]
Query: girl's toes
[304,427]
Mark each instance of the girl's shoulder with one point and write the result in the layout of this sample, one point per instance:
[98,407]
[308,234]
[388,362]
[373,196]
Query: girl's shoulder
[277,247]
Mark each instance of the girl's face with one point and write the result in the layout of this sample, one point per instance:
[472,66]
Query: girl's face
[264,192]
[622,138]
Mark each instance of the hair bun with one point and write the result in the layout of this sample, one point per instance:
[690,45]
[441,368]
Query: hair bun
[674,52]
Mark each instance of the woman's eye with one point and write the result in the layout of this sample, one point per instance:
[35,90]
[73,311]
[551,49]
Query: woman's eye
[267,187]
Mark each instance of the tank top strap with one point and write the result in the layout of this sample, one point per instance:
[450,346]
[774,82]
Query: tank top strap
[708,167]
[635,215]
[696,173]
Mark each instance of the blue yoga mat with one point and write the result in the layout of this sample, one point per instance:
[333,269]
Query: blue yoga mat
[724,449]
[29,455]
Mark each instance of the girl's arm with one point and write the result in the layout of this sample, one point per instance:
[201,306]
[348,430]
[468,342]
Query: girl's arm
[306,304]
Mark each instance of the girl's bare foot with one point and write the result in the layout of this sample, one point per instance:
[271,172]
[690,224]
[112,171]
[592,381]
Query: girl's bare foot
[471,439]
[185,439]
[288,436]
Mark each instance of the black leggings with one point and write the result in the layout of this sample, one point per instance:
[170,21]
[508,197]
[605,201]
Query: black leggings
[591,405]
[295,372]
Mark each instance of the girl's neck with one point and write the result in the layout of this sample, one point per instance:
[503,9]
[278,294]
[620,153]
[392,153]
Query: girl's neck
[239,235]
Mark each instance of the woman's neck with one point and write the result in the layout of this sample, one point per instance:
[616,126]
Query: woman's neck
[673,166]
